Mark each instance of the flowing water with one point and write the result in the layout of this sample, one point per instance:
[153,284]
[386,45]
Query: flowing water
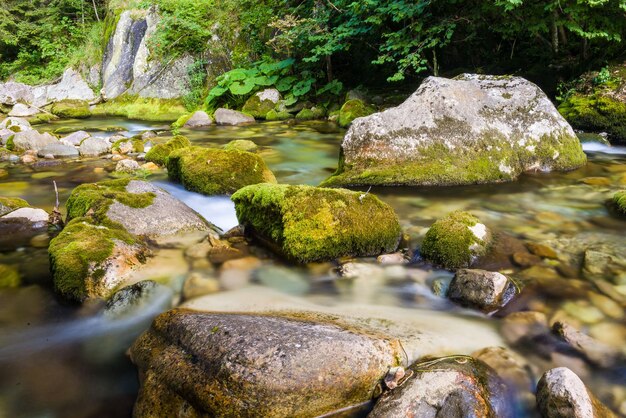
[59,360]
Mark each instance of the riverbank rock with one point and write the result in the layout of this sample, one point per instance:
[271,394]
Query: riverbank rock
[94,146]
[75,138]
[74,109]
[15,124]
[561,394]
[217,171]
[58,150]
[199,119]
[261,103]
[306,223]
[231,117]
[457,386]
[256,365]
[158,154]
[467,130]
[128,166]
[487,291]
[141,208]
[456,241]
[90,260]
[31,140]
[22,110]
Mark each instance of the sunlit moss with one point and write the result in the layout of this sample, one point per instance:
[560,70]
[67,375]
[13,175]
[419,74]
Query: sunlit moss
[158,154]
[353,109]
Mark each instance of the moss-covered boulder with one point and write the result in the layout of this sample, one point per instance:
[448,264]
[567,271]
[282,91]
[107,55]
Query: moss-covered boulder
[619,199]
[9,204]
[158,154]
[258,108]
[311,114]
[306,223]
[128,145]
[468,130]
[456,241]
[75,109]
[90,260]
[241,145]
[599,103]
[9,277]
[217,171]
[353,109]
[274,115]
[142,108]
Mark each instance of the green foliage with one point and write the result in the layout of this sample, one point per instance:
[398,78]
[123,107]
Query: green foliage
[197,79]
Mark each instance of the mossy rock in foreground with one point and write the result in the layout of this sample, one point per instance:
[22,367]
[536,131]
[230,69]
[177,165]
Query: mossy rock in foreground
[306,223]
[597,113]
[619,199]
[158,154]
[75,109]
[9,204]
[217,171]
[353,109]
[456,240]
[91,261]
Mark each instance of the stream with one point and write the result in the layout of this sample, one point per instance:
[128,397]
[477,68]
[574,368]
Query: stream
[60,360]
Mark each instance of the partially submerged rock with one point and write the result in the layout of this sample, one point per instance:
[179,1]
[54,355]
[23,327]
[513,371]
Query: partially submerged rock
[75,138]
[58,150]
[231,117]
[306,223]
[75,109]
[596,352]
[130,299]
[561,394]
[9,204]
[487,291]
[90,261]
[241,145]
[199,119]
[94,146]
[30,140]
[456,240]
[457,386]
[352,109]
[128,166]
[467,130]
[22,110]
[15,122]
[217,171]
[219,364]
[158,154]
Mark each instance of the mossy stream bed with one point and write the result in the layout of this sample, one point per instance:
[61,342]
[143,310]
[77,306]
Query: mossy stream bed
[59,360]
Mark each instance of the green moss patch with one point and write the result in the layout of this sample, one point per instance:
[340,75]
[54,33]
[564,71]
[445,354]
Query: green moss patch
[242,145]
[353,109]
[141,108]
[158,154]
[619,199]
[308,223]
[596,112]
[137,142]
[9,277]
[9,204]
[94,199]
[75,109]
[273,115]
[181,121]
[217,171]
[451,243]
[258,108]
[311,114]
[76,255]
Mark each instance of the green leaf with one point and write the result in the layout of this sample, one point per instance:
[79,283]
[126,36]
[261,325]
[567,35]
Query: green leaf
[290,100]
[285,84]
[242,87]
[303,87]
[263,80]
[269,68]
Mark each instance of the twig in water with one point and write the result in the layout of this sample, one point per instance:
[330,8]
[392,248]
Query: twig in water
[364,194]
[55,220]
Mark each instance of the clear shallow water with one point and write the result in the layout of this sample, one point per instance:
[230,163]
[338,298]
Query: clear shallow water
[58,360]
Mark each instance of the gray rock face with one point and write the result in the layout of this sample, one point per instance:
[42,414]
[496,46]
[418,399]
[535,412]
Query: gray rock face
[32,140]
[487,291]
[453,387]
[199,119]
[75,138]
[272,95]
[71,87]
[467,130]
[58,151]
[231,117]
[256,365]
[166,216]
[12,93]
[94,146]
[15,121]
[22,110]
[561,394]
[127,67]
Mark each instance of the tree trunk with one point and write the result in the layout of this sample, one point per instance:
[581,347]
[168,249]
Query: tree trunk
[554,32]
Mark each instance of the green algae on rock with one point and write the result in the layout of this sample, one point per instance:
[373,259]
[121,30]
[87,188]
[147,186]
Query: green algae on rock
[142,108]
[258,108]
[90,261]
[75,109]
[158,154]
[217,171]
[9,277]
[456,240]
[353,109]
[9,204]
[468,130]
[306,223]
[274,115]
[619,199]
[310,114]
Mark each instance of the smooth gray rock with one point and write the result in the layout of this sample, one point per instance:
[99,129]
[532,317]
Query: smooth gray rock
[36,217]
[21,110]
[231,117]
[5,134]
[15,121]
[32,140]
[71,87]
[75,138]
[127,166]
[256,365]
[467,130]
[12,93]
[561,394]
[450,387]
[165,216]
[199,119]
[58,151]
[487,291]
[272,95]
[94,146]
